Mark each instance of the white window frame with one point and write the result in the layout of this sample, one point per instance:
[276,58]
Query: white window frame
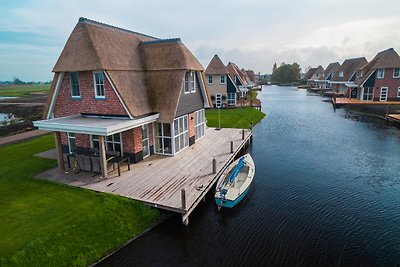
[222,79]
[162,136]
[145,127]
[210,79]
[398,92]
[181,132]
[69,137]
[113,142]
[369,95]
[229,99]
[189,82]
[398,72]
[341,74]
[72,85]
[97,96]
[386,94]
[380,74]
[199,123]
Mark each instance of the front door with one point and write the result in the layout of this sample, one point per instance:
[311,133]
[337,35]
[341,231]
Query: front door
[384,92]
[145,140]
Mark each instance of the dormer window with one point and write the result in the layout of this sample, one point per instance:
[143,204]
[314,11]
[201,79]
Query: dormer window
[341,74]
[381,73]
[98,79]
[74,81]
[396,73]
[190,82]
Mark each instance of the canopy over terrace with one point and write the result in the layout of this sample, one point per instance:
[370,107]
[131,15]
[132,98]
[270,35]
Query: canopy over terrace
[92,125]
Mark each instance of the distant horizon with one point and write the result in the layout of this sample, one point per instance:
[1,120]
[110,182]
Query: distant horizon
[255,35]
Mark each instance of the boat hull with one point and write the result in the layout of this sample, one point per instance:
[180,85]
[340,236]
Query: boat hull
[231,203]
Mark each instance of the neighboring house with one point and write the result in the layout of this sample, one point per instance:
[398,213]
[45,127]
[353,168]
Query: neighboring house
[220,86]
[119,90]
[346,74]
[308,75]
[379,80]
[326,77]
[237,76]
[252,76]
[316,76]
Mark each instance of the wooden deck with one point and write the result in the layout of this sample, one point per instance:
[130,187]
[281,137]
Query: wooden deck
[353,101]
[159,180]
[393,117]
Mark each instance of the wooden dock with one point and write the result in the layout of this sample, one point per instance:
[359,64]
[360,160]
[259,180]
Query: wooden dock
[393,117]
[175,183]
[337,102]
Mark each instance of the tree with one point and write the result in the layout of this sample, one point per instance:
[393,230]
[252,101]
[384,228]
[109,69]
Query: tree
[17,81]
[286,73]
[274,68]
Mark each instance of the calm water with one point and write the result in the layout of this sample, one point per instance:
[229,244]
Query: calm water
[326,192]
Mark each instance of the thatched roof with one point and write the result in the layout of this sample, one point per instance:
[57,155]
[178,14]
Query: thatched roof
[383,60]
[251,75]
[216,67]
[318,73]
[147,72]
[349,67]
[331,70]
[235,71]
[310,73]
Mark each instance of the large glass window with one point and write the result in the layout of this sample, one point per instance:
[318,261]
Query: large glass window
[190,82]
[74,79]
[145,140]
[112,142]
[181,133]
[231,99]
[71,142]
[199,123]
[162,138]
[368,93]
[99,84]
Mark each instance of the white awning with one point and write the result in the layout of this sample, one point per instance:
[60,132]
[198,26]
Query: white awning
[93,125]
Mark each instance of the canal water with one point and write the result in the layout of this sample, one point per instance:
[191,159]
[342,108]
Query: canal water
[326,192]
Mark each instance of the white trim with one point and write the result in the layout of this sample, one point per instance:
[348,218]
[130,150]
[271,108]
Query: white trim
[94,85]
[174,135]
[208,80]
[124,125]
[148,140]
[71,85]
[386,94]
[220,79]
[119,97]
[105,142]
[69,142]
[398,76]
[398,91]
[206,104]
[372,72]
[377,74]
[53,99]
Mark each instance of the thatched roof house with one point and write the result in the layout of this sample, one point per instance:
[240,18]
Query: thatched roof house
[216,67]
[347,70]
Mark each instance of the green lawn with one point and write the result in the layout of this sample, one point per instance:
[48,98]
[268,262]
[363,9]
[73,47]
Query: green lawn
[23,90]
[49,224]
[234,118]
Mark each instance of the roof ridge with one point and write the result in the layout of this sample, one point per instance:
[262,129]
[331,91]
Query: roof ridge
[94,22]
[162,41]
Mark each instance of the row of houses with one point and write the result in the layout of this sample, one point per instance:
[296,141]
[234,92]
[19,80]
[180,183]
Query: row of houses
[226,84]
[377,80]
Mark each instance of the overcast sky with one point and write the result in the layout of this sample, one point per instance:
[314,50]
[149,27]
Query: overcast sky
[254,34]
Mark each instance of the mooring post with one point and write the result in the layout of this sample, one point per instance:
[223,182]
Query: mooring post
[242,134]
[183,198]
[214,166]
[251,125]
[231,146]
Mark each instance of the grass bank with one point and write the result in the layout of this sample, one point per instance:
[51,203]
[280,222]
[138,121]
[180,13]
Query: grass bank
[234,118]
[49,224]
[23,90]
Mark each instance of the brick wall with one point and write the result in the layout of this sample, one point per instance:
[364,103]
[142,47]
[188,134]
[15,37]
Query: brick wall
[192,130]
[388,81]
[65,105]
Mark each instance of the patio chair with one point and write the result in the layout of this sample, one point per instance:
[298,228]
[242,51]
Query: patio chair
[115,157]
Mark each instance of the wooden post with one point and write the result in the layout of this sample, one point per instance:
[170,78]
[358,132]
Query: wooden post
[243,134]
[183,198]
[103,160]
[185,221]
[214,163]
[60,156]
[231,146]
